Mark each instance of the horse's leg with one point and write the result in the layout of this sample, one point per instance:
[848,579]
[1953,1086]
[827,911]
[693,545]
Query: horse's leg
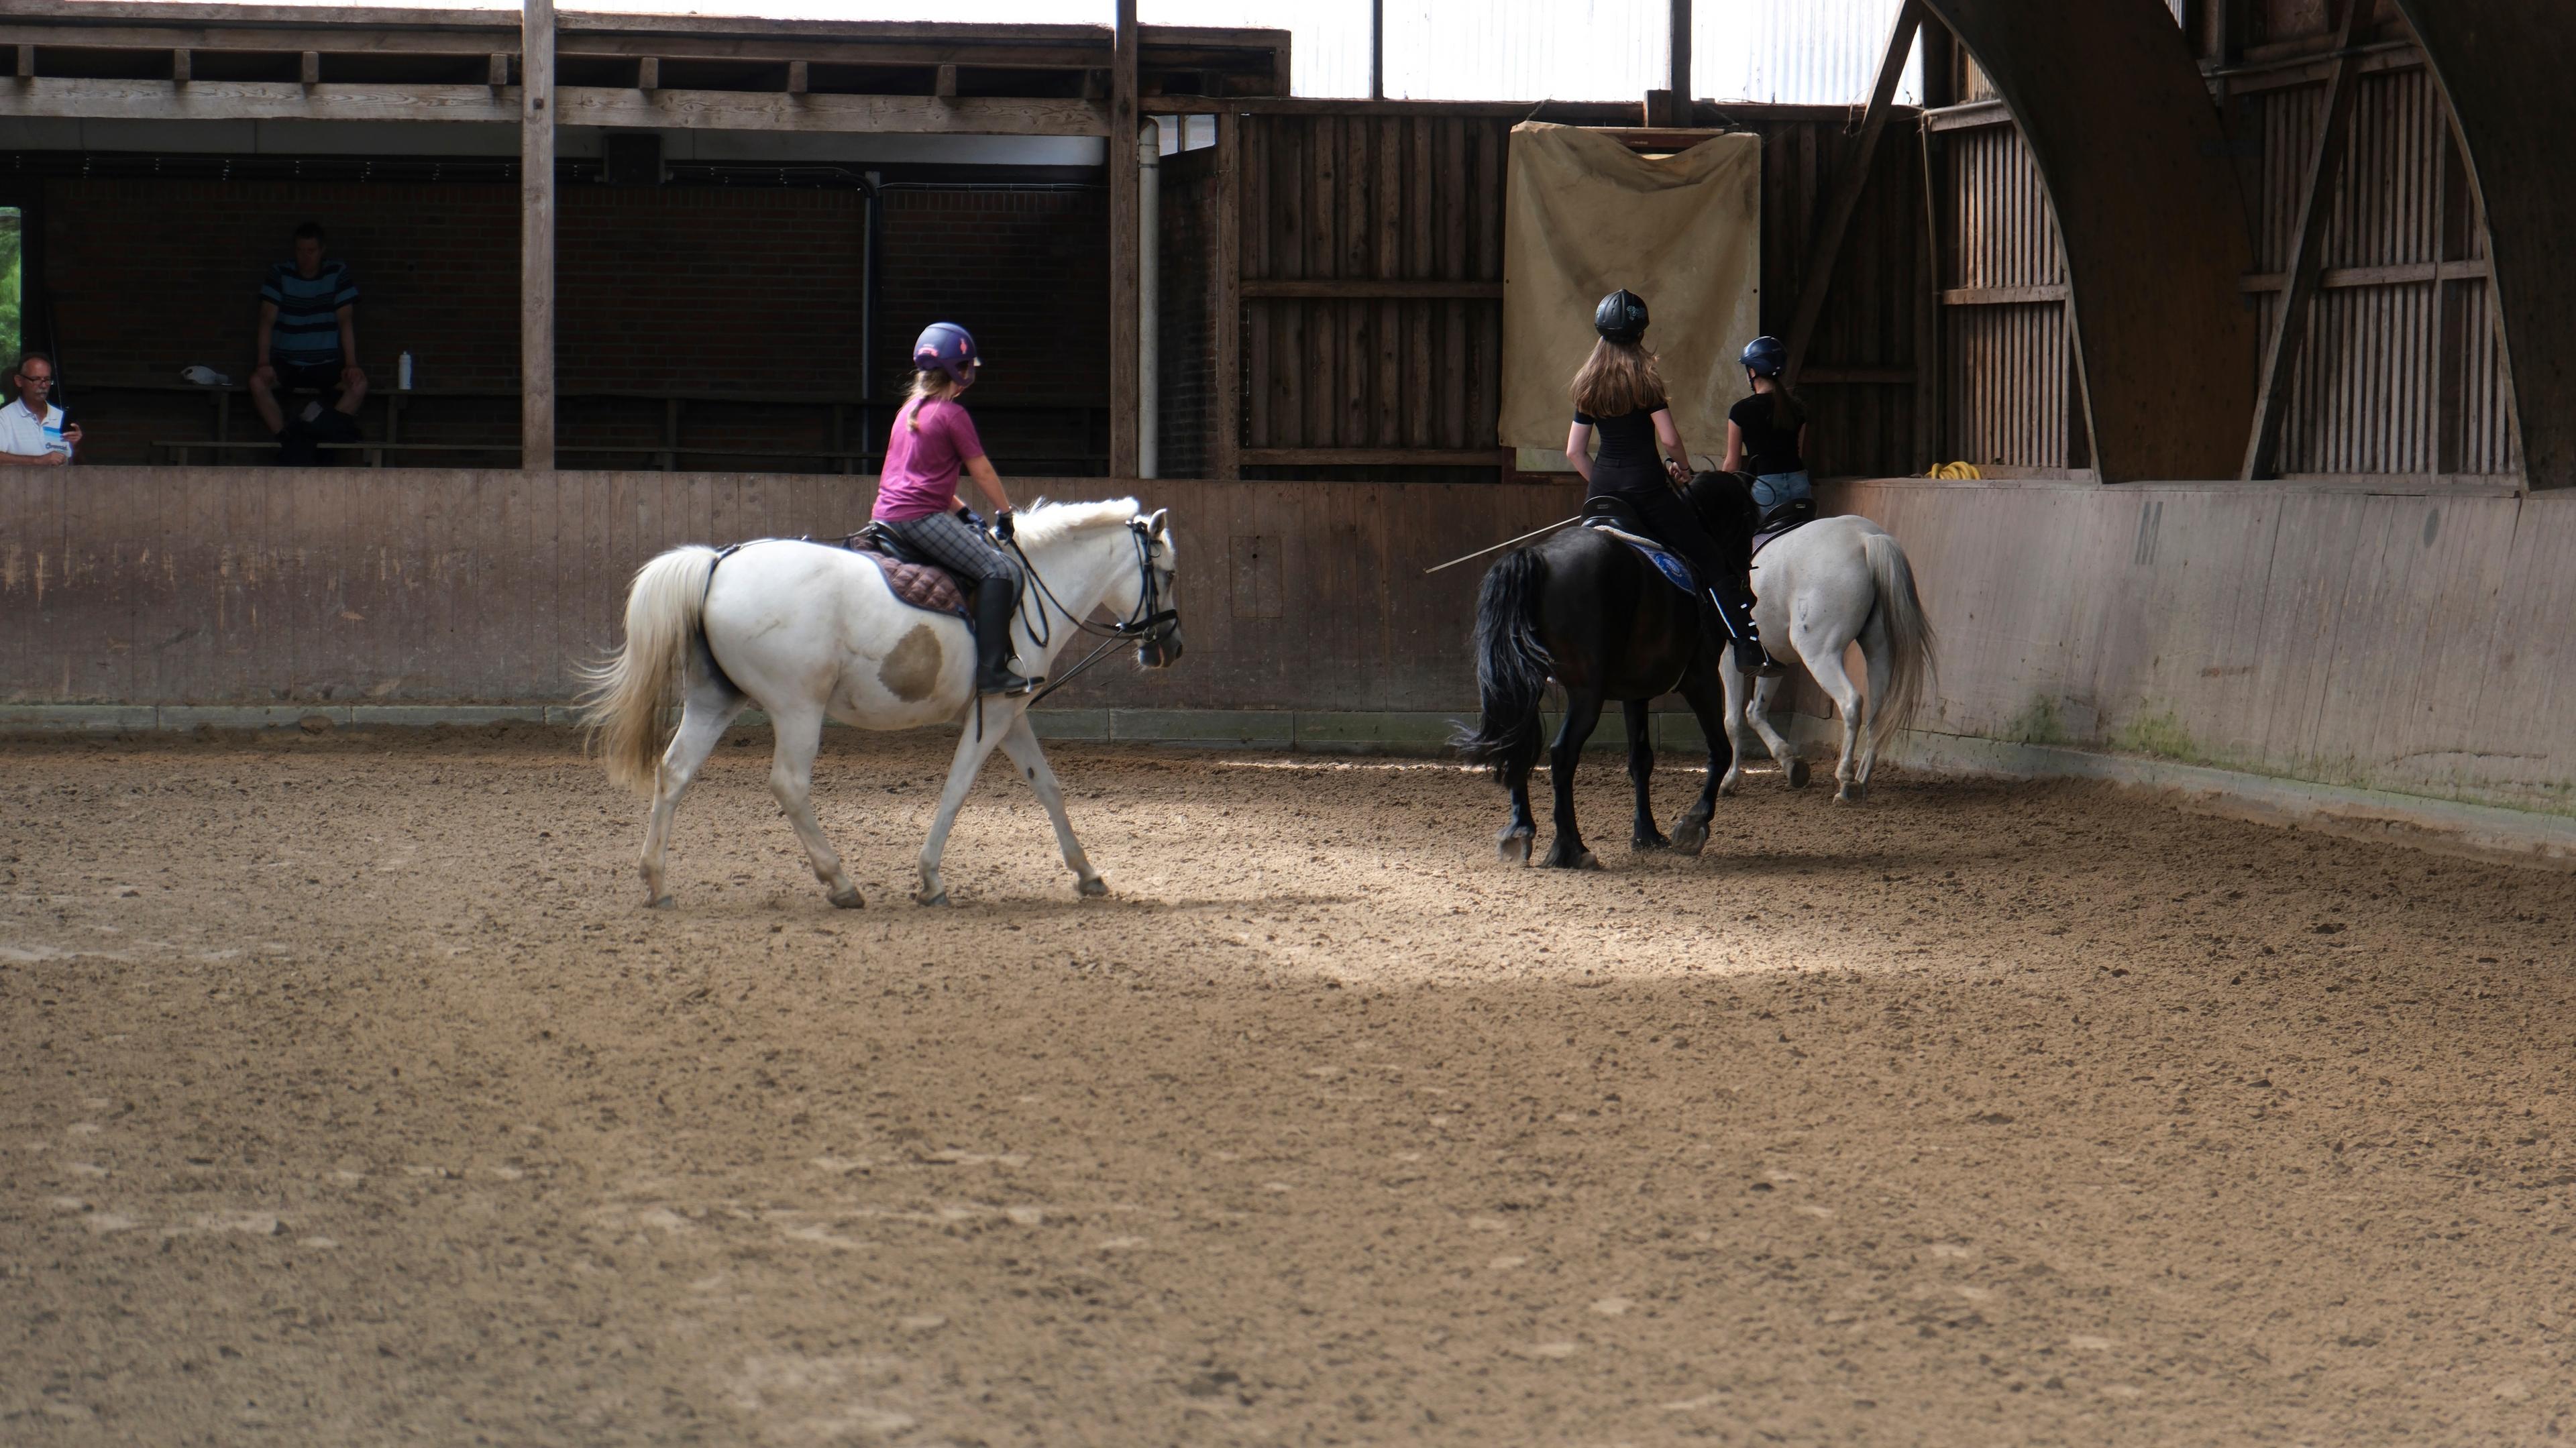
[1827,665]
[1513,844]
[1733,686]
[974,746]
[791,778]
[1879,656]
[1642,834]
[1792,768]
[1021,743]
[1710,703]
[1582,716]
[709,704]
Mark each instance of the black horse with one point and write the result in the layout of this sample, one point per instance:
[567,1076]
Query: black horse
[1586,610]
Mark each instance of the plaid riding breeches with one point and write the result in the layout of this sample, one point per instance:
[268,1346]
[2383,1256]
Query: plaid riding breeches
[958,546]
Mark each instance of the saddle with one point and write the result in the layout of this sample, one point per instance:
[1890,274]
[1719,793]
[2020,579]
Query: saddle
[914,580]
[1613,516]
[1783,518]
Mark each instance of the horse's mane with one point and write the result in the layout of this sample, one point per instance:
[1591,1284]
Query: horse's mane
[1046,521]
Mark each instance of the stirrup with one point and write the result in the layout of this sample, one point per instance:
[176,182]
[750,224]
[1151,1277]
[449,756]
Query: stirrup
[1008,685]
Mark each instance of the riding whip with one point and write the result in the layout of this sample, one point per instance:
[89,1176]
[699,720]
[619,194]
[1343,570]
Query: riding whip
[1506,543]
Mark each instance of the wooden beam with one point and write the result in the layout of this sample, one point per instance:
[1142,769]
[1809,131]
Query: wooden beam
[537,237]
[179,67]
[799,77]
[26,62]
[2345,277]
[1825,243]
[496,72]
[1374,289]
[1376,457]
[1123,282]
[312,68]
[648,72]
[1377,50]
[943,82]
[2307,252]
[1661,113]
[1677,50]
[2002,296]
[1225,461]
[578,105]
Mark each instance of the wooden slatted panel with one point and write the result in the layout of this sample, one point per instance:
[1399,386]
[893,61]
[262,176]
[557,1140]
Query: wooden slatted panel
[2010,367]
[2393,377]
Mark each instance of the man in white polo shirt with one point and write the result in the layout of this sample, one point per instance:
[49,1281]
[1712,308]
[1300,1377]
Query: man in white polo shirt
[32,431]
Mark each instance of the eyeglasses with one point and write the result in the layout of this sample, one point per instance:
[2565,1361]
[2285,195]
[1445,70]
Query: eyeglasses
[47,380]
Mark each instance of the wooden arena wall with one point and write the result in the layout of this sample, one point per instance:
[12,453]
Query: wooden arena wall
[2404,640]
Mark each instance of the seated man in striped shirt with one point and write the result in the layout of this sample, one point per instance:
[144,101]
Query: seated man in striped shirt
[308,333]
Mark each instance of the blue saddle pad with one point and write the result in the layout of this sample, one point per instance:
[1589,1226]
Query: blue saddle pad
[1668,563]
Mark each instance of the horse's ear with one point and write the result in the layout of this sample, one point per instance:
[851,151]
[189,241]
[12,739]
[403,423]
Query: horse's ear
[1159,523]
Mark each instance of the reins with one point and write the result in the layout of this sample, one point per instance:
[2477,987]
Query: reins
[1147,622]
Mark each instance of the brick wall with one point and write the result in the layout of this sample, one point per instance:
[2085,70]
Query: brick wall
[750,290]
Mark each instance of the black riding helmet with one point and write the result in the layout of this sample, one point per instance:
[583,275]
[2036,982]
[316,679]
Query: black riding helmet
[1621,317]
[1766,357]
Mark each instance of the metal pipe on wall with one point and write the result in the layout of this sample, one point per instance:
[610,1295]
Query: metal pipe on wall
[1149,202]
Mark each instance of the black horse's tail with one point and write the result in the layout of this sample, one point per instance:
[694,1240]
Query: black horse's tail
[1511,667]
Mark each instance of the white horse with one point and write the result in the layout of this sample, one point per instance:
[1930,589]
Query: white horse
[805,630]
[1821,587]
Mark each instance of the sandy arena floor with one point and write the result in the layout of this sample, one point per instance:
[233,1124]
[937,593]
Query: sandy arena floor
[346,1097]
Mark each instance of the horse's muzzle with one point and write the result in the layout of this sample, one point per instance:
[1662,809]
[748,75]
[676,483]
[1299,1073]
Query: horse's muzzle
[1160,650]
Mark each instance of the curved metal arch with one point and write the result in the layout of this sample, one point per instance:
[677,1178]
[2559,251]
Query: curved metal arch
[2129,144]
[2505,67]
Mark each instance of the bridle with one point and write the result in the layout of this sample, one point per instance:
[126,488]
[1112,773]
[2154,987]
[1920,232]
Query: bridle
[1150,623]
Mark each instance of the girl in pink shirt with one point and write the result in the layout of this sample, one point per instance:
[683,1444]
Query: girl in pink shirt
[933,442]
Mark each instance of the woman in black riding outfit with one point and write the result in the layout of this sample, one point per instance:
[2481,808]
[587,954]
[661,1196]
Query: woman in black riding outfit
[1620,394]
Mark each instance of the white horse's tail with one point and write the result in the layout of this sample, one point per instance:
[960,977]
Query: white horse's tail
[1909,637]
[627,691]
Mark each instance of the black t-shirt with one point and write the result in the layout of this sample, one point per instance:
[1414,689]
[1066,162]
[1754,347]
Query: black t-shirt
[1627,441]
[1768,448]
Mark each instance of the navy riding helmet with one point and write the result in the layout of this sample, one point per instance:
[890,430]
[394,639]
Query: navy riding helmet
[946,347]
[1766,357]
[1621,317]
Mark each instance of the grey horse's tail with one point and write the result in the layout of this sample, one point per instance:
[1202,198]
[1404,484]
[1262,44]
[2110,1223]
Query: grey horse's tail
[1909,636]
[628,689]
[1511,668]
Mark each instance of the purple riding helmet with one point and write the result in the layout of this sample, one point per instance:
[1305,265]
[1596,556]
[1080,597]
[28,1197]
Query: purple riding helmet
[948,348]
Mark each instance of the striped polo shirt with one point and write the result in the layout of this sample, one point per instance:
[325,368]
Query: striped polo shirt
[308,322]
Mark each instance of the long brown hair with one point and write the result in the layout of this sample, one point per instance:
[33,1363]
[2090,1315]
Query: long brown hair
[1787,413]
[1618,378]
[928,385]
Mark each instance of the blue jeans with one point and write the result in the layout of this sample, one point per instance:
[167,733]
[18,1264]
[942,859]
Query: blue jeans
[1772,489]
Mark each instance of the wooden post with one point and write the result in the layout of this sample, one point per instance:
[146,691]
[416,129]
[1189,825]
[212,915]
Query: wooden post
[1377,51]
[179,67]
[26,62]
[497,74]
[1226,459]
[1826,244]
[943,82]
[1121,155]
[1680,51]
[797,77]
[537,236]
[312,68]
[648,73]
[2307,254]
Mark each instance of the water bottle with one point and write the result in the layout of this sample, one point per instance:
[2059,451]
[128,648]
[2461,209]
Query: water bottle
[402,372]
[54,443]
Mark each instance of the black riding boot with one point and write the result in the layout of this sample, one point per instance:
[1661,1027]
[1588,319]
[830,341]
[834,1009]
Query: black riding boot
[994,603]
[1738,627]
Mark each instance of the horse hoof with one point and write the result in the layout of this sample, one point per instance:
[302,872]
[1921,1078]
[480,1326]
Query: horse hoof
[1571,860]
[1091,889]
[663,902]
[1689,839]
[1796,773]
[1729,785]
[1513,849]
[919,898]
[849,899]
[1648,844]
[1851,794]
